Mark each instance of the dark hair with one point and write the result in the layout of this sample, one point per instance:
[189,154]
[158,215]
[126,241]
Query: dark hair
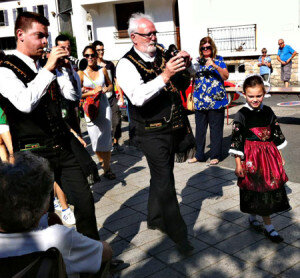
[25,20]
[89,47]
[252,81]
[96,43]
[24,192]
[2,55]
[61,38]
[213,46]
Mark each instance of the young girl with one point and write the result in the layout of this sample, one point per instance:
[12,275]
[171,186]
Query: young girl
[256,143]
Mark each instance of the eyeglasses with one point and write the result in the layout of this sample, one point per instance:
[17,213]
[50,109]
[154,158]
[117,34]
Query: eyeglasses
[89,55]
[263,52]
[98,50]
[148,35]
[280,43]
[205,48]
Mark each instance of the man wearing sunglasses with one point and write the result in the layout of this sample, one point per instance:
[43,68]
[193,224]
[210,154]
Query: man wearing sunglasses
[144,75]
[285,55]
[31,96]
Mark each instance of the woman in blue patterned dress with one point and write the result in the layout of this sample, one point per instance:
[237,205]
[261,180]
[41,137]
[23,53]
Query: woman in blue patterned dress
[210,100]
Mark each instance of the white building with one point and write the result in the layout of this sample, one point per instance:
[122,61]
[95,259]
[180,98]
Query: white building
[240,28]
[8,14]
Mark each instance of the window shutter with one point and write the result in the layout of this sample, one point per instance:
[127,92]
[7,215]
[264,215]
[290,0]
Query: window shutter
[34,9]
[46,11]
[15,14]
[49,40]
[5,17]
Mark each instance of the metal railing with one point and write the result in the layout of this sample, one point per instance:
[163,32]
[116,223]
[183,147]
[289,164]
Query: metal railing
[234,38]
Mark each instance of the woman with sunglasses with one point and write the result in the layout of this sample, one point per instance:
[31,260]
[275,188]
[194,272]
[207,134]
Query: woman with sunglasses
[210,100]
[265,65]
[93,81]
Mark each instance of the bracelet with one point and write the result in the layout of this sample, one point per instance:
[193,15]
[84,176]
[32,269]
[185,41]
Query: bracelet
[11,155]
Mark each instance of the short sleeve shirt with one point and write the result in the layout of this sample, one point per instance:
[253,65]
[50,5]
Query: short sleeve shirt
[265,69]
[285,53]
[209,91]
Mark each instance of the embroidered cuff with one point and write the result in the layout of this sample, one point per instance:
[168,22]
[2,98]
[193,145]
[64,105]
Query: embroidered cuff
[283,145]
[236,152]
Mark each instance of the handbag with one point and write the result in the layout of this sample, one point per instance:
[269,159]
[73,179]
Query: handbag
[91,105]
[190,105]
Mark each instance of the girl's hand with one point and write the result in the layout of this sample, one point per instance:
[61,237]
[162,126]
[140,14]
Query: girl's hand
[104,90]
[239,171]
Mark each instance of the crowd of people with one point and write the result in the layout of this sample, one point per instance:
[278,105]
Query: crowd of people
[45,165]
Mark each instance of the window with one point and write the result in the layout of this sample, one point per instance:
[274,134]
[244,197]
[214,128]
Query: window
[234,38]
[8,43]
[17,11]
[3,18]
[123,13]
[41,9]
[231,68]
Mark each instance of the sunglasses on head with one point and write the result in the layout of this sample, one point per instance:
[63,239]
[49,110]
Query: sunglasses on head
[205,48]
[89,55]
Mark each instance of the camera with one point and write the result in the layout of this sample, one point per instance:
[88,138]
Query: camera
[202,61]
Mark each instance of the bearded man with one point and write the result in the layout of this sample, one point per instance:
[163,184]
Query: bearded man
[155,109]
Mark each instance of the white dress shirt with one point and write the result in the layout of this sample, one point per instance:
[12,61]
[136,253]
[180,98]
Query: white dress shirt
[132,83]
[27,98]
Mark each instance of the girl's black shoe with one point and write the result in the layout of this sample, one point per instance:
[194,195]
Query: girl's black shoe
[275,239]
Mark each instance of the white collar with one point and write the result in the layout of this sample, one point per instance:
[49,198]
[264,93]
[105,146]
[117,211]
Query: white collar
[146,57]
[250,108]
[27,60]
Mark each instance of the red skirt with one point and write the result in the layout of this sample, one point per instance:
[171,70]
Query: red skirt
[262,167]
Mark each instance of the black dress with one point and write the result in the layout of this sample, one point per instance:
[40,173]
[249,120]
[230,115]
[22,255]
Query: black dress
[256,138]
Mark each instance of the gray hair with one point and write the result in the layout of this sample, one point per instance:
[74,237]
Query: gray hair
[133,21]
[25,187]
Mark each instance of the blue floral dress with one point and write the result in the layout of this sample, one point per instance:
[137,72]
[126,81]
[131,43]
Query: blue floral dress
[209,91]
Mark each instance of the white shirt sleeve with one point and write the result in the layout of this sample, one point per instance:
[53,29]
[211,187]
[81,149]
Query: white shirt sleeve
[133,85]
[66,86]
[24,98]
[85,254]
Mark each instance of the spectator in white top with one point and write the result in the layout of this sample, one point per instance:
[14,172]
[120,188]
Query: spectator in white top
[24,199]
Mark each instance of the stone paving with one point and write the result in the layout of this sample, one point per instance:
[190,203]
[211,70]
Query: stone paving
[224,244]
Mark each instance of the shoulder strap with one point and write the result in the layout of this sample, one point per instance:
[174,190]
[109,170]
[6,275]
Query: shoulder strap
[21,70]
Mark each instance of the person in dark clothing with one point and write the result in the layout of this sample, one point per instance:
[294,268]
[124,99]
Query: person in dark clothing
[31,96]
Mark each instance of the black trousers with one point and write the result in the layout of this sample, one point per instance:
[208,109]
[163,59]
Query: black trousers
[163,208]
[116,121]
[215,120]
[69,176]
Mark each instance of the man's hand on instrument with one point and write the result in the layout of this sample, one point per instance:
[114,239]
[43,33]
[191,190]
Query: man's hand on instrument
[56,54]
[186,56]
[174,65]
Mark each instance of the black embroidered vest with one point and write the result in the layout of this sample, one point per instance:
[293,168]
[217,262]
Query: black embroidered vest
[43,126]
[166,106]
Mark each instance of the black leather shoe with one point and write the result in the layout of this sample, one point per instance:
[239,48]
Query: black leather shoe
[184,247]
[276,239]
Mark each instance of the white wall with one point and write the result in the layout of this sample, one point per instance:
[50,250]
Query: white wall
[104,24]
[274,18]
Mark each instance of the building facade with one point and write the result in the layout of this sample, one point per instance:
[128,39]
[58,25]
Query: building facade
[240,28]
[9,11]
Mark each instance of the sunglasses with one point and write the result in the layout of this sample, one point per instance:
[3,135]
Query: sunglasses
[89,55]
[264,52]
[205,48]
[148,35]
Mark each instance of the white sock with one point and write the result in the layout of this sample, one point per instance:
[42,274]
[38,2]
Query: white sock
[252,217]
[270,228]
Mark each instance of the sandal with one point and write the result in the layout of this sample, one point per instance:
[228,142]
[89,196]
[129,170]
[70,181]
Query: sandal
[276,239]
[109,175]
[193,160]
[214,162]
[256,225]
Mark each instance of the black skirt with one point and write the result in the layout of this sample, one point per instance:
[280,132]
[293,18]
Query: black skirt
[264,203]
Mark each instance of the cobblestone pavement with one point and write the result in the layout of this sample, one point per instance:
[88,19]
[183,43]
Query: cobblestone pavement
[224,244]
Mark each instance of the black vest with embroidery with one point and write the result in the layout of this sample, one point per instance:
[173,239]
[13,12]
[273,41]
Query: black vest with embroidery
[44,125]
[166,106]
